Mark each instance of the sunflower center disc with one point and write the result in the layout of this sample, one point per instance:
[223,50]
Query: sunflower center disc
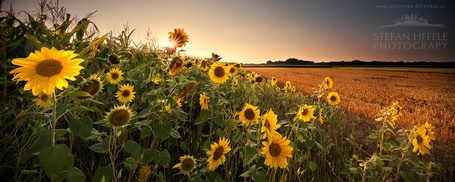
[49,67]
[259,79]
[419,139]
[44,97]
[119,117]
[274,150]
[187,164]
[232,70]
[304,112]
[126,93]
[219,71]
[249,114]
[114,76]
[333,98]
[178,63]
[218,153]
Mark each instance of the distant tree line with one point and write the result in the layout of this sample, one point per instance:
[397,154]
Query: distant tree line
[294,61]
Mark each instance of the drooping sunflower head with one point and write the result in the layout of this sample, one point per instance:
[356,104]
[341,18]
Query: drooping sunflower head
[218,72]
[125,93]
[119,116]
[249,114]
[187,164]
[92,86]
[114,76]
[178,38]
[276,149]
[288,84]
[47,69]
[328,83]
[177,66]
[320,118]
[43,100]
[186,90]
[216,154]
[421,142]
[144,173]
[333,98]
[204,101]
[269,125]
[259,79]
[306,113]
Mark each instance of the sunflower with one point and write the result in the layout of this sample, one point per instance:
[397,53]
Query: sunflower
[204,101]
[119,116]
[328,83]
[274,80]
[47,69]
[204,65]
[306,113]
[186,90]
[113,59]
[92,86]
[169,108]
[249,114]
[186,165]
[217,152]
[125,94]
[288,84]
[177,66]
[421,142]
[43,100]
[248,76]
[114,76]
[269,125]
[276,150]
[277,89]
[237,117]
[236,82]
[293,89]
[333,98]
[396,110]
[429,131]
[144,173]
[232,70]
[218,73]
[259,79]
[178,38]
[267,85]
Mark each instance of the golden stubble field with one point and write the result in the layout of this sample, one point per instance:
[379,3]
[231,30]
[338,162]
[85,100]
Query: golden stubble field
[425,97]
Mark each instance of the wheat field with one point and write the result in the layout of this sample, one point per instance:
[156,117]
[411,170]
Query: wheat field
[425,96]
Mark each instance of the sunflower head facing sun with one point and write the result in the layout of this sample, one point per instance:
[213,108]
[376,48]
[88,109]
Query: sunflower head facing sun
[114,76]
[218,72]
[119,116]
[328,83]
[269,125]
[178,38]
[305,113]
[276,149]
[421,141]
[249,114]
[186,165]
[126,93]
[92,86]
[43,100]
[47,69]
[216,154]
[333,98]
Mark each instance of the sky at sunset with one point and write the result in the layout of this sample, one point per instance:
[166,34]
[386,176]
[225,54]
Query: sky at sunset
[255,31]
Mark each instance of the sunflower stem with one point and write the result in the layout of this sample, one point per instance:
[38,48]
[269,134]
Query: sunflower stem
[53,120]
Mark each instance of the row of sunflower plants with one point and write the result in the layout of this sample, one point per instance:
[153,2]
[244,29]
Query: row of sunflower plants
[141,115]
